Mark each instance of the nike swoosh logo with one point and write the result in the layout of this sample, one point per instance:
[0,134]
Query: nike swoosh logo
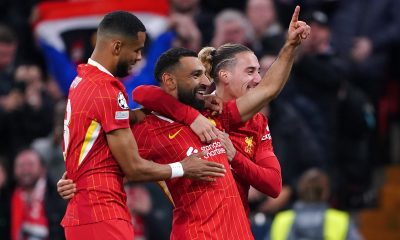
[172,136]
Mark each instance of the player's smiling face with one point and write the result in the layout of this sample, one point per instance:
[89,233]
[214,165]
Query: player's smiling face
[131,52]
[244,75]
[191,82]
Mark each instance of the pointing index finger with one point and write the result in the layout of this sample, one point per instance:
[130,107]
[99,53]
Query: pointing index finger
[295,16]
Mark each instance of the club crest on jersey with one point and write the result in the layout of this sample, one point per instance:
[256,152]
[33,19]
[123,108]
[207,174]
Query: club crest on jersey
[249,144]
[122,101]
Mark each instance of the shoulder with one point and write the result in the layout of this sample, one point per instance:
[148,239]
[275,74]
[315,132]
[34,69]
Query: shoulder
[258,121]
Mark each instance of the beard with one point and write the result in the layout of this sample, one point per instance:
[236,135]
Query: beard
[188,97]
[122,69]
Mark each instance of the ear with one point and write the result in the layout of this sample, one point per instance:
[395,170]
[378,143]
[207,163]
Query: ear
[223,76]
[169,81]
[116,47]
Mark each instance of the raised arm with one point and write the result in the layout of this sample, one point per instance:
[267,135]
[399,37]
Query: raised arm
[275,79]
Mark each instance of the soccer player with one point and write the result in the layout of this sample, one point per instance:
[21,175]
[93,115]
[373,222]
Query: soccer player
[99,148]
[235,70]
[203,210]
[175,80]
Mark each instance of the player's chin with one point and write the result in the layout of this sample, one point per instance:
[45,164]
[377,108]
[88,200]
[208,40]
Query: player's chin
[129,70]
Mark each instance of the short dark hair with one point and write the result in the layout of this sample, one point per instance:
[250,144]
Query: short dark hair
[121,23]
[170,59]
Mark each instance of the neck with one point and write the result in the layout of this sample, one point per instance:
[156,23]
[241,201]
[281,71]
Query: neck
[105,61]
[221,93]
[172,92]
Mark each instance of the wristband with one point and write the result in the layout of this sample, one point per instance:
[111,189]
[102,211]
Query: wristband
[176,169]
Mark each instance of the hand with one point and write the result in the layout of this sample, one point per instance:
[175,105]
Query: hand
[297,30]
[197,168]
[362,49]
[204,129]
[213,103]
[228,145]
[188,34]
[66,188]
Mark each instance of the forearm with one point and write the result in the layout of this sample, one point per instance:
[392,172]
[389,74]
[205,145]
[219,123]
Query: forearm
[264,176]
[144,170]
[271,84]
[164,103]
[124,149]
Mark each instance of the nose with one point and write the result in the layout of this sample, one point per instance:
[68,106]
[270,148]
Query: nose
[139,56]
[205,81]
[256,80]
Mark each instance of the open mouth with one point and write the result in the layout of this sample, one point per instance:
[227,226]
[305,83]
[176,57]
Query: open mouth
[200,91]
[251,86]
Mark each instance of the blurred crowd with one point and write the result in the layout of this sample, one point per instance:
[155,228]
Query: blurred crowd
[338,112]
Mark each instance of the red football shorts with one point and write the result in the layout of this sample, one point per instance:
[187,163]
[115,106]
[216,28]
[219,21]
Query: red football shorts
[114,229]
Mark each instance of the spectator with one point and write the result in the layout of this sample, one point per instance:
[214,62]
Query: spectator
[49,147]
[269,34]
[28,109]
[366,41]
[36,209]
[193,9]
[311,216]
[231,26]
[8,50]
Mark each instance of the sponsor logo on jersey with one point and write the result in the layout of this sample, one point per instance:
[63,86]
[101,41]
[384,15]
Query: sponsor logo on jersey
[212,149]
[266,137]
[172,136]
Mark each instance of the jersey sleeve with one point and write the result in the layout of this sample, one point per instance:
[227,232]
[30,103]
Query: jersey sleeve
[164,103]
[264,172]
[264,146]
[110,107]
[230,116]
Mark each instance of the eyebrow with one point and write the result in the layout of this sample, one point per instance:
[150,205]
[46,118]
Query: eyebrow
[252,68]
[196,72]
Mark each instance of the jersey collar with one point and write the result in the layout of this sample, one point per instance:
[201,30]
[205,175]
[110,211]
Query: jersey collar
[99,66]
[162,117]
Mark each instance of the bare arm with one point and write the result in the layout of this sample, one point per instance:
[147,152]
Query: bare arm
[124,149]
[136,116]
[275,79]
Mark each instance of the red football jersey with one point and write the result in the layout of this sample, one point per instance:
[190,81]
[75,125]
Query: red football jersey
[96,105]
[203,210]
[255,162]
